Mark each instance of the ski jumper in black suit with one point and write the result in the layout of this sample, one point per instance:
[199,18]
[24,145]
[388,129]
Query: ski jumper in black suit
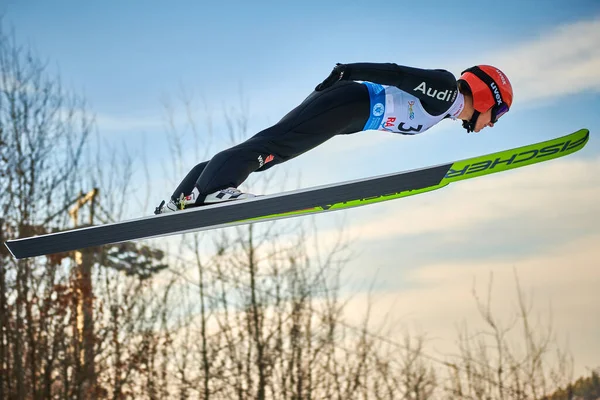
[390,97]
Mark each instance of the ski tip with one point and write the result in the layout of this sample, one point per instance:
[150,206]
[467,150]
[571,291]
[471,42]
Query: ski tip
[587,133]
[582,132]
[580,138]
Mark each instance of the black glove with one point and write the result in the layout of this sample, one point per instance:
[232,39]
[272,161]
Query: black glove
[337,74]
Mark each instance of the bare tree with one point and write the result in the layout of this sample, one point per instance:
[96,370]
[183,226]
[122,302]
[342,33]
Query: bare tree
[52,333]
[43,129]
[491,366]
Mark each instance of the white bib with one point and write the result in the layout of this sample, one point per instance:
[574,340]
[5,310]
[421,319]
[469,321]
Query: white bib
[396,111]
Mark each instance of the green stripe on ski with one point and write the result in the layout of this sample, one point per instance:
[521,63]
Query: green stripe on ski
[349,204]
[519,157]
[471,168]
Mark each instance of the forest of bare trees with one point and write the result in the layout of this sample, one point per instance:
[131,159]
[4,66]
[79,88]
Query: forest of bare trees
[255,312]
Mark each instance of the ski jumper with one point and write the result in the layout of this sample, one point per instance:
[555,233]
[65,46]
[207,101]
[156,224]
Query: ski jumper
[388,97]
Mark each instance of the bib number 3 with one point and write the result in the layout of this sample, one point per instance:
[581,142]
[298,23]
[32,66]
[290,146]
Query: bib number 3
[409,129]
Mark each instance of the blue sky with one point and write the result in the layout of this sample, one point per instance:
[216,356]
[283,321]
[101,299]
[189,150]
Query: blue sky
[126,57]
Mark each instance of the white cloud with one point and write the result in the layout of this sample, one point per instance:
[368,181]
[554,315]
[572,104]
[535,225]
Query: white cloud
[127,124]
[441,297]
[563,192]
[538,205]
[563,61]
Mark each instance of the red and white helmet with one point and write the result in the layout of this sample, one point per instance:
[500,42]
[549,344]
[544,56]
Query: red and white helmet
[490,89]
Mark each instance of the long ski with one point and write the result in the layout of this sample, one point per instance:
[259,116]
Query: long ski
[298,202]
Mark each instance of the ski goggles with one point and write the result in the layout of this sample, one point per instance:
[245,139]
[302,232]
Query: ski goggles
[498,111]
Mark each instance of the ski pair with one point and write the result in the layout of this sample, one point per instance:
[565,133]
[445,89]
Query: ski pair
[299,202]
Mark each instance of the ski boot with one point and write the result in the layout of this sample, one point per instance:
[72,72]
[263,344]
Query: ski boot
[219,196]
[180,204]
[228,194]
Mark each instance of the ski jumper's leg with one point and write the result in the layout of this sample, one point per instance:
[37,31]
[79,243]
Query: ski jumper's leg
[342,109]
[187,184]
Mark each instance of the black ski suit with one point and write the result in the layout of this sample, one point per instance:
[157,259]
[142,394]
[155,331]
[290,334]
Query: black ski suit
[341,109]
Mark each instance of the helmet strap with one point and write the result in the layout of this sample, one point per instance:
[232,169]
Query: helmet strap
[470,125]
